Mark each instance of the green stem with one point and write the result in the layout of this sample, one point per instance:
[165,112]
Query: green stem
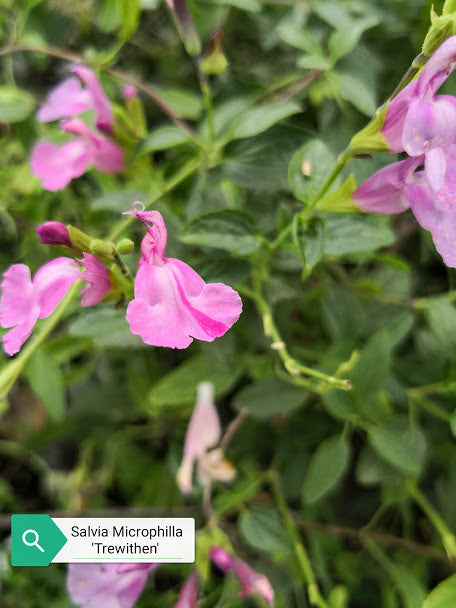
[340,165]
[206,91]
[190,167]
[315,597]
[448,538]
[293,367]
[431,408]
[13,369]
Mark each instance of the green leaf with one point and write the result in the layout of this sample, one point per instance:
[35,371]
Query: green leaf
[327,465]
[178,387]
[46,380]
[399,445]
[309,168]
[262,530]
[269,397]
[338,598]
[371,370]
[354,233]
[442,596]
[129,12]
[15,104]
[119,201]
[299,38]
[162,139]
[183,103]
[309,241]
[411,590]
[344,40]
[357,92]
[107,328]
[228,229]
[255,121]
[313,62]
[441,316]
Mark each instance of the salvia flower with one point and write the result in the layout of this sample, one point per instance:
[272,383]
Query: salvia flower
[106,585]
[188,593]
[204,431]
[422,124]
[23,301]
[250,580]
[172,303]
[56,165]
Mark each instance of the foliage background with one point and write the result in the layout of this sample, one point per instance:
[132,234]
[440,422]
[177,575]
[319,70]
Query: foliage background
[97,420]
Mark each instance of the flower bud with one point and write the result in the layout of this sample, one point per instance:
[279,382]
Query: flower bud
[125,247]
[214,60]
[101,249]
[184,23]
[79,240]
[53,233]
[129,92]
[441,28]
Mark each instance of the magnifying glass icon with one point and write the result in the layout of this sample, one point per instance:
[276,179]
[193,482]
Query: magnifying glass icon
[33,543]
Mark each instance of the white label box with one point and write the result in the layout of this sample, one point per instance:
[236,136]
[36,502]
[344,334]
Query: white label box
[126,539]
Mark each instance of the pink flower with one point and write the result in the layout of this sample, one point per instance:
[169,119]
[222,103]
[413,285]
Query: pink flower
[188,593]
[23,300]
[106,585]
[251,581]
[172,303]
[129,92]
[56,165]
[69,99]
[396,188]
[54,233]
[432,76]
[203,432]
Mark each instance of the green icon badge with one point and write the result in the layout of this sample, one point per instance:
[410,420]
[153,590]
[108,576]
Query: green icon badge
[35,540]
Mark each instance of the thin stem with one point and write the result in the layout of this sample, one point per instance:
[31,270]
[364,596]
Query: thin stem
[232,429]
[293,367]
[190,167]
[342,162]
[416,396]
[12,370]
[315,597]
[448,538]
[206,91]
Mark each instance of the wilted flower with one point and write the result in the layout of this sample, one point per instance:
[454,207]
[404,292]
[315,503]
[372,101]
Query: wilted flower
[188,593]
[106,585]
[23,300]
[251,581]
[172,303]
[203,432]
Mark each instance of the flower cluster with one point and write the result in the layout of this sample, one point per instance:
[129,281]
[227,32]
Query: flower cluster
[171,306]
[423,124]
[56,165]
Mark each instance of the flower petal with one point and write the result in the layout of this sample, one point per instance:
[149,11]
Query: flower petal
[107,158]
[101,103]
[188,592]
[56,166]
[429,124]
[395,117]
[51,283]
[96,276]
[54,233]
[17,295]
[203,432]
[438,68]
[64,101]
[96,585]
[440,221]
[383,192]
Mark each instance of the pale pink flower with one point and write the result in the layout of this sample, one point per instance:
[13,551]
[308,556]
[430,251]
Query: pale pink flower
[250,580]
[172,303]
[106,585]
[188,593]
[204,431]
[23,300]
[57,165]
[129,92]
